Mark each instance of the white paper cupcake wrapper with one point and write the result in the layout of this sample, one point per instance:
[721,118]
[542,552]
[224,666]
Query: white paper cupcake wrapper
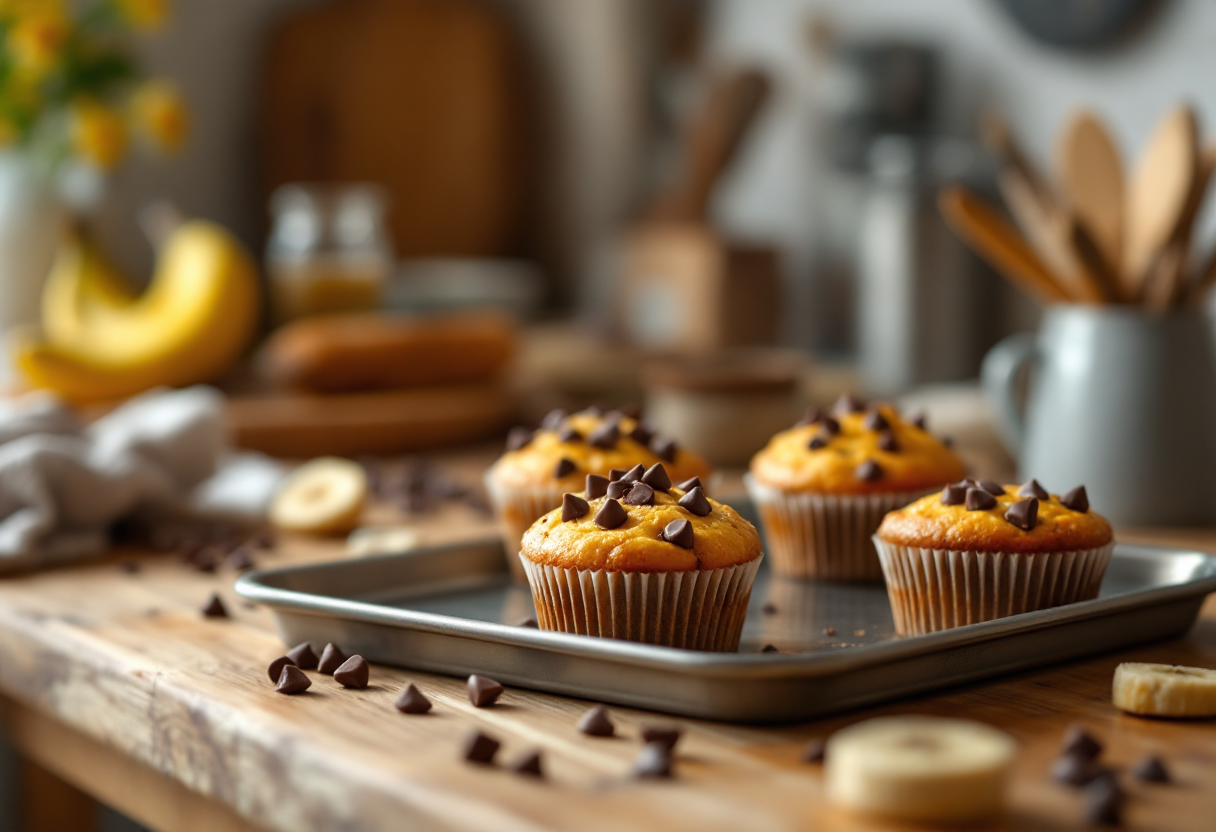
[696,610]
[936,589]
[517,508]
[816,535]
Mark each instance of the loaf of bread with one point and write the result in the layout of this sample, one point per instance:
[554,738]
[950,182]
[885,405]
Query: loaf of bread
[340,353]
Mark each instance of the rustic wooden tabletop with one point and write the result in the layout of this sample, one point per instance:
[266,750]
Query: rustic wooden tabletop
[112,680]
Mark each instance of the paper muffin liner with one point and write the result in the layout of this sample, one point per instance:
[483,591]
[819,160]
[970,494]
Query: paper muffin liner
[827,536]
[517,508]
[696,610]
[936,589]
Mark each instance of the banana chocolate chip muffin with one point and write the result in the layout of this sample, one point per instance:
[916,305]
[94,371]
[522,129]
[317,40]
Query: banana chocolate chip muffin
[822,487]
[982,550]
[635,557]
[539,466]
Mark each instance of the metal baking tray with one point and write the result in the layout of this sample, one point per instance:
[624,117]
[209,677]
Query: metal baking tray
[454,610]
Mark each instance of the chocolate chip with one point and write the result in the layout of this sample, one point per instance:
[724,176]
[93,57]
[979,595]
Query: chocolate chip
[634,474]
[564,468]
[1033,489]
[954,495]
[527,621]
[292,681]
[611,515]
[615,474]
[829,426]
[918,420]
[812,752]
[875,421]
[483,691]
[240,559]
[353,673]
[595,723]
[1104,802]
[605,436]
[993,488]
[276,667]
[1075,770]
[569,433]
[1076,499]
[617,490]
[332,658]
[518,437]
[481,748]
[573,507]
[690,484]
[818,441]
[769,648]
[868,471]
[848,403]
[412,701]
[1151,770]
[664,448]
[214,608]
[597,486]
[664,735]
[642,434]
[679,532]
[979,500]
[656,477]
[640,494]
[207,559]
[302,656]
[812,415]
[1024,513]
[553,419]
[769,608]
[1080,743]
[653,763]
[529,765]
[887,442]
[695,502]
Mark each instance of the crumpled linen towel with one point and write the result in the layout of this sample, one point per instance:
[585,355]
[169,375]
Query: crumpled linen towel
[162,456]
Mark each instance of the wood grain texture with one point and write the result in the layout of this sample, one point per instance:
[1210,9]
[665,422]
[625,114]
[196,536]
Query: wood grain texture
[126,661]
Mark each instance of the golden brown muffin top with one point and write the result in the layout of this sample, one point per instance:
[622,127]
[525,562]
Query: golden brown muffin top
[567,447]
[639,527]
[972,516]
[856,450]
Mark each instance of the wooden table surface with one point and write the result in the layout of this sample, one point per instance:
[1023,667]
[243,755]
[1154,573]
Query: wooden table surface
[113,681]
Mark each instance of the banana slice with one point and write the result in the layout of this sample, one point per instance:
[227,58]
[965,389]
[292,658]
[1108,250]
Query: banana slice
[324,496]
[920,768]
[1164,690]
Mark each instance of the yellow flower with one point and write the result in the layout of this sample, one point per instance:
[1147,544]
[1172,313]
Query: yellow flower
[160,114]
[98,134]
[148,15]
[36,39]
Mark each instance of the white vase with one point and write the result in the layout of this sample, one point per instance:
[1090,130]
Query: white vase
[31,223]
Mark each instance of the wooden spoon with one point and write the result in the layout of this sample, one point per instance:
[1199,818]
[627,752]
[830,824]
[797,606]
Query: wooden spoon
[1091,171]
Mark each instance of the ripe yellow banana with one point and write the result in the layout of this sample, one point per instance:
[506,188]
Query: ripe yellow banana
[80,279]
[189,326]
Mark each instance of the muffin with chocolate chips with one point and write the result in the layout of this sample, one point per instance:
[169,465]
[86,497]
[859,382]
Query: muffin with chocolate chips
[539,466]
[822,487]
[983,550]
[640,558]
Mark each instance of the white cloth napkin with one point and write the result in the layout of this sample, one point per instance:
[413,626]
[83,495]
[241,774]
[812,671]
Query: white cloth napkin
[163,455]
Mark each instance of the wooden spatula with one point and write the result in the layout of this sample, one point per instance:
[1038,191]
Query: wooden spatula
[1091,171]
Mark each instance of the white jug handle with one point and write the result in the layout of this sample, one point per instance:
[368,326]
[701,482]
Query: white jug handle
[1000,372]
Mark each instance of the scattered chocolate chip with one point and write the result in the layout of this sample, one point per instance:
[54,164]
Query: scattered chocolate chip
[640,494]
[848,403]
[302,656]
[617,490]
[1033,489]
[1104,802]
[979,500]
[597,486]
[642,434]
[292,681]
[954,495]
[483,691]
[631,409]
[875,421]
[1075,770]
[564,468]
[569,433]
[1080,743]
[830,631]
[634,474]
[276,667]
[332,658]
[518,437]
[829,426]
[656,477]
[263,540]
[664,448]
[615,474]
[595,723]
[353,673]
[130,567]
[529,765]
[812,415]
[553,419]
[887,442]
[527,621]
[769,608]
[812,752]
[769,648]
[1023,514]
[573,507]
[690,484]
[993,488]
[918,420]
[207,559]
[695,502]
[214,608]
[412,701]
[1151,770]
[653,763]
[664,735]
[680,533]
[1076,499]
[605,436]
[240,559]
[481,749]
[868,471]
[818,441]
[610,515]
